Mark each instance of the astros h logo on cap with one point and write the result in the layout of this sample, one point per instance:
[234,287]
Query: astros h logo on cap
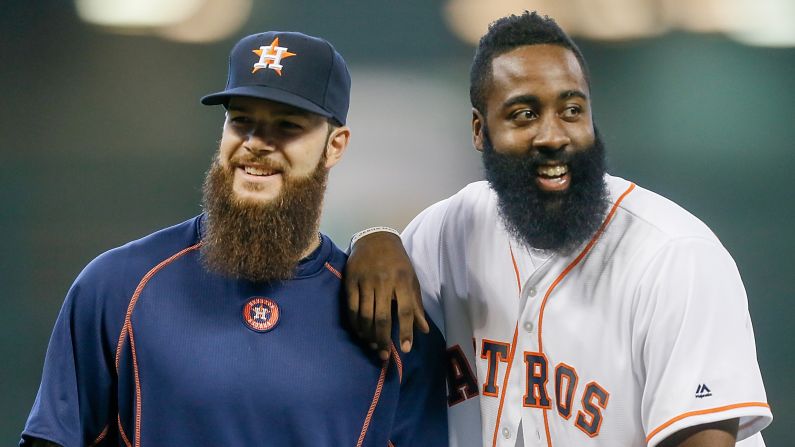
[291,68]
[271,57]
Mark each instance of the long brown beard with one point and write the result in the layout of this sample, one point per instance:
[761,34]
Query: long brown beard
[260,242]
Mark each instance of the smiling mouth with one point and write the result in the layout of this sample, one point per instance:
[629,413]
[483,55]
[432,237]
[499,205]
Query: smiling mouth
[553,178]
[552,171]
[259,172]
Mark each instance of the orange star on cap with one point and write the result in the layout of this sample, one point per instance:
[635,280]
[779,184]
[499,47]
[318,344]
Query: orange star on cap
[273,53]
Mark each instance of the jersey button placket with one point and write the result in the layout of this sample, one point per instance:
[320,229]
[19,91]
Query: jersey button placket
[532,306]
[528,342]
[513,409]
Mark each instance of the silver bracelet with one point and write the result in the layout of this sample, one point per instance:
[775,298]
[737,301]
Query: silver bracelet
[371,230]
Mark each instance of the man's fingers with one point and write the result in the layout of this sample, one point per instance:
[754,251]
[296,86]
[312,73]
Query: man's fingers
[366,309]
[419,312]
[420,322]
[352,290]
[382,323]
[405,310]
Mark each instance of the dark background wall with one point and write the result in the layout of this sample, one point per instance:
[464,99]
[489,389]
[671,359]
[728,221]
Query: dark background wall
[102,140]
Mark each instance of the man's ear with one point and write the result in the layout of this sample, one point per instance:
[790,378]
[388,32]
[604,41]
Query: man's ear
[337,143]
[478,124]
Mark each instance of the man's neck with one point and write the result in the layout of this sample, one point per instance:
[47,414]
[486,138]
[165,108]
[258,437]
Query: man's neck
[313,245]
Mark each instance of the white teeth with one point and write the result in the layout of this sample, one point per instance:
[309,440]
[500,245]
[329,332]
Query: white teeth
[257,171]
[553,171]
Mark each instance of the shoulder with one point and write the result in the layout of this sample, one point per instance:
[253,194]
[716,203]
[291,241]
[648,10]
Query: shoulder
[475,201]
[476,196]
[645,232]
[653,212]
[121,268]
[148,250]
[468,199]
[450,219]
[98,299]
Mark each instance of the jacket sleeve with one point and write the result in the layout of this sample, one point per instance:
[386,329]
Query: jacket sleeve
[75,404]
[421,416]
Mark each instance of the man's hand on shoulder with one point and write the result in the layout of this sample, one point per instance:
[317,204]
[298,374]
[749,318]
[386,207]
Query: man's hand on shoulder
[379,271]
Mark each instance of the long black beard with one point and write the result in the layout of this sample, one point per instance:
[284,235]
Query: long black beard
[549,221]
[260,242]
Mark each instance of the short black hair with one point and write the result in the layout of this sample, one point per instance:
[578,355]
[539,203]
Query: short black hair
[508,33]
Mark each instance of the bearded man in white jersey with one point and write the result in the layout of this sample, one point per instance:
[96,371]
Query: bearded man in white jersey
[579,309]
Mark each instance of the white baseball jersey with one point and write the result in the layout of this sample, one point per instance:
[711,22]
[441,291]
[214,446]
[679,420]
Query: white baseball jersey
[642,331]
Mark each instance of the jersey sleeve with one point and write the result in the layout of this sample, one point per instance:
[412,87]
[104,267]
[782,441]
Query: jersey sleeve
[696,343]
[422,239]
[73,406]
[421,415]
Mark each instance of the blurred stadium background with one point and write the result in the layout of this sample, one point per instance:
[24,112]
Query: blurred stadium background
[103,139]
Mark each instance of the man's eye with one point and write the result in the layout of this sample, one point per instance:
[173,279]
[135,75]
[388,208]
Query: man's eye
[290,126]
[571,112]
[240,120]
[524,115]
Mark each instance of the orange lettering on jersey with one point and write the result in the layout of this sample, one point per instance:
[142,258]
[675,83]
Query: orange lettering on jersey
[461,382]
[536,392]
[594,397]
[493,352]
[565,387]
[594,400]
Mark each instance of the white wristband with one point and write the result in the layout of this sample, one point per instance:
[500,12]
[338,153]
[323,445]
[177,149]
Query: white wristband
[372,230]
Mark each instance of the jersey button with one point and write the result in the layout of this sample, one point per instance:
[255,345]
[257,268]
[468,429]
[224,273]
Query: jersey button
[528,326]
[506,432]
[532,292]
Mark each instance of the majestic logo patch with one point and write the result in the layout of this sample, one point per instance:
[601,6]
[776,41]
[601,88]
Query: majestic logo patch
[702,391]
[261,314]
[271,57]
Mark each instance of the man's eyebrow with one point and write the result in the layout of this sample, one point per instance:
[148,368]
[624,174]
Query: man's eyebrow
[534,100]
[293,111]
[573,94]
[522,99]
[236,108]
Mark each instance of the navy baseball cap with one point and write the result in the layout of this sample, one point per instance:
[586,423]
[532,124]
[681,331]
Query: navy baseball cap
[290,68]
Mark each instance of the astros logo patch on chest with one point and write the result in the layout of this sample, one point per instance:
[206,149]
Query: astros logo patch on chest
[271,57]
[261,314]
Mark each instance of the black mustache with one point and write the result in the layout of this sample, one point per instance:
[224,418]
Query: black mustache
[538,157]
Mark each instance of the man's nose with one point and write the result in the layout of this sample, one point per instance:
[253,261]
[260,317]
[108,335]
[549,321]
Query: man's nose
[551,134]
[259,140]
